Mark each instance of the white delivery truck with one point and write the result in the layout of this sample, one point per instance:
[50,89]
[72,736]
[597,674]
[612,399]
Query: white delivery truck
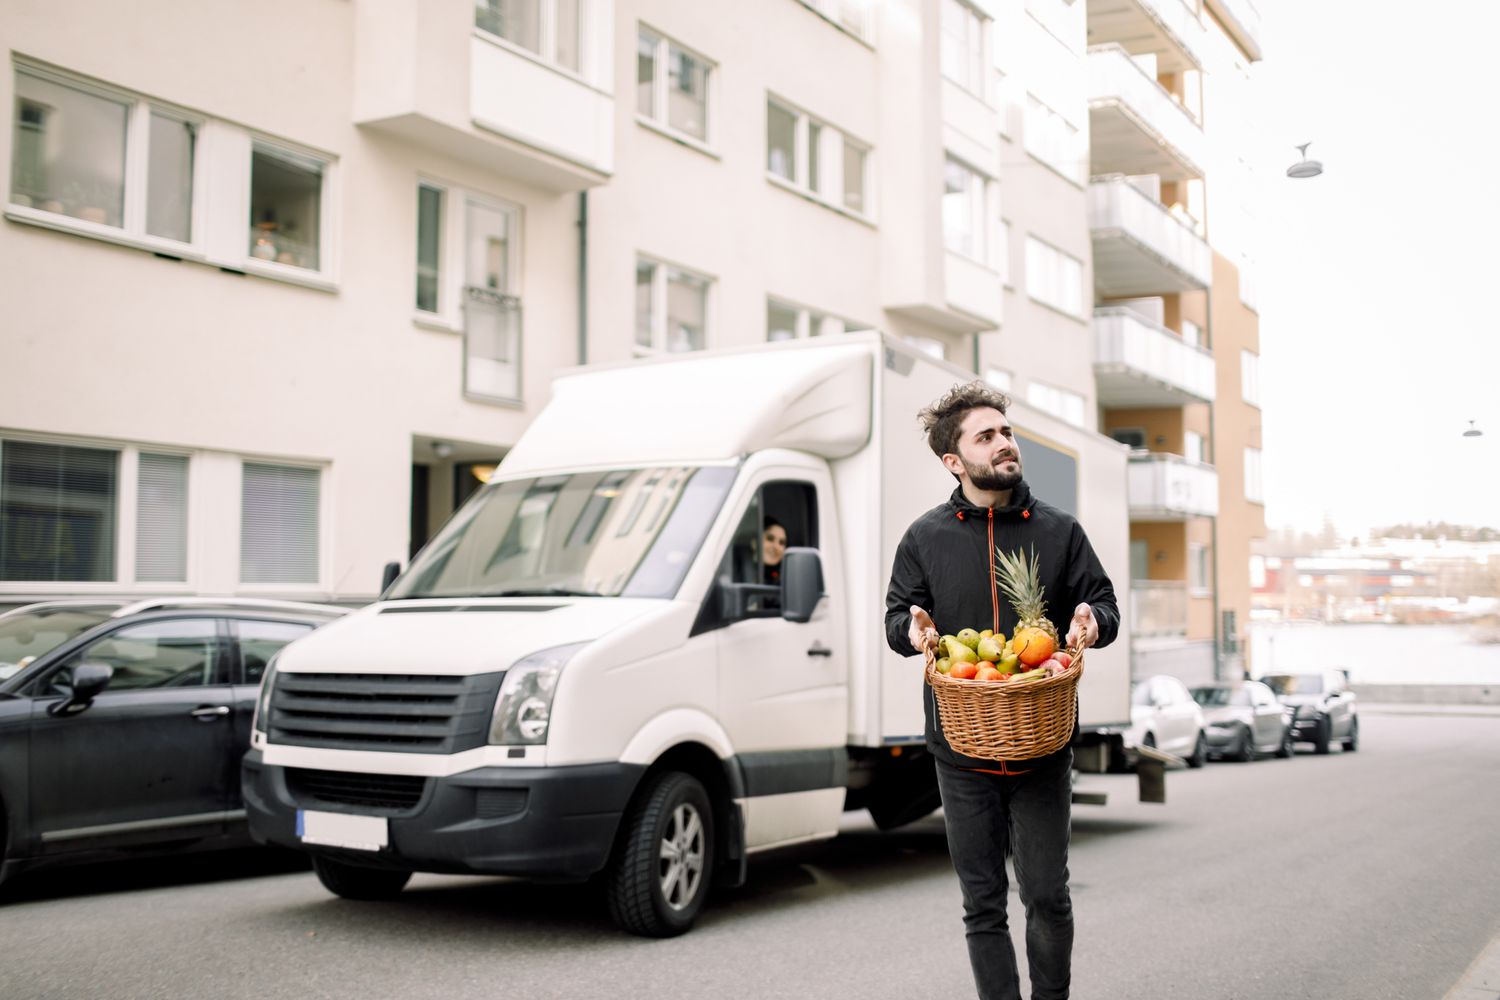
[585,673]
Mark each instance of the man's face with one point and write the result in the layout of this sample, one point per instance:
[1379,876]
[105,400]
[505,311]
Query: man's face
[988,457]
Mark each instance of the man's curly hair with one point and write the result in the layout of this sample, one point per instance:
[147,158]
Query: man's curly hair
[940,420]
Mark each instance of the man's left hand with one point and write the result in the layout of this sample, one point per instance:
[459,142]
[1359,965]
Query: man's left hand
[1083,632]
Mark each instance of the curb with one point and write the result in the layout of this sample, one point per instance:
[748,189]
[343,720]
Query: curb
[1480,981]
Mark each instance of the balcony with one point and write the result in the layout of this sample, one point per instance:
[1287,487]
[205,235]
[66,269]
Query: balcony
[1138,364]
[1170,488]
[427,75]
[1135,126]
[1241,21]
[1158,608]
[1166,29]
[1140,248]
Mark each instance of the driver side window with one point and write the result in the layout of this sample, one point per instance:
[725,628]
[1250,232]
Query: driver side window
[160,654]
[781,515]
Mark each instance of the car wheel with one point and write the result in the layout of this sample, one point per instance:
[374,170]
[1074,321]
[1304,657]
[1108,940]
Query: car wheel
[1351,744]
[660,872]
[357,882]
[1324,735]
[1200,751]
[1247,746]
[1285,749]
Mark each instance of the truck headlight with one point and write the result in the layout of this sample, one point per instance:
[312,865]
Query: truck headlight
[523,709]
[263,700]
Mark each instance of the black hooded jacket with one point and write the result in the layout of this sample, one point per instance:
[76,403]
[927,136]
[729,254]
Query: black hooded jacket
[945,565]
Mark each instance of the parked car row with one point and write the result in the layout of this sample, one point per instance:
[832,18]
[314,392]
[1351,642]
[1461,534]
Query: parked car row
[1243,719]
[122,723]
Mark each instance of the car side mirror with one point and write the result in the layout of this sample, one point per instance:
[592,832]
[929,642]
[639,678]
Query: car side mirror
[801,584]
[388,576]
[89,680]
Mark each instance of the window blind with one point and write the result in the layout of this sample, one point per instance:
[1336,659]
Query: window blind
[279,508]
[58,512]
[161,519]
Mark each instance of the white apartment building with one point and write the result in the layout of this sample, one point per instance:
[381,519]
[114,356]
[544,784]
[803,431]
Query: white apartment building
[274,308]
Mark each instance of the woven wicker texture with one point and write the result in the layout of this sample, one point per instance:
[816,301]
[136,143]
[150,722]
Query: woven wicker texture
[998,720]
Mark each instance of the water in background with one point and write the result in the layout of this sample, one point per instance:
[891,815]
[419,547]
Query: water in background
[1378,654]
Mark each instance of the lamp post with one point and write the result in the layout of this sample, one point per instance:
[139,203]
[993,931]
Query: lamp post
[1473,432]
[1304,167]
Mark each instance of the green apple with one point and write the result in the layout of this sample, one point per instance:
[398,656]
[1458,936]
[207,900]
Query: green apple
[969,638]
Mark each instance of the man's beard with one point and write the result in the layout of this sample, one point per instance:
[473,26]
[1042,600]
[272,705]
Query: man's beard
[990,479]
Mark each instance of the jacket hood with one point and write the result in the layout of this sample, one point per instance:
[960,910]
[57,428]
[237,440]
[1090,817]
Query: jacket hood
[1020,500]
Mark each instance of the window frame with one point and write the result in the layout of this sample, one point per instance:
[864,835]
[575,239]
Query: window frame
[659,293]
[324,511]
[1039,290]
[980,215]
[659,118]
[830,159]
[1250,377]
[975,48]
[832,12]
[1200,570]
[1254,475]
[1057,401]
[219,206]
[546,51]
[809,322]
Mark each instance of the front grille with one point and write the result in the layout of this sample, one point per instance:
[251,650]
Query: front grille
[381,793]
[403,713]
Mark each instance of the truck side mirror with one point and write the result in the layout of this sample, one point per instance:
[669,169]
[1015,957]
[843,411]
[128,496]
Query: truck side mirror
[89,679]
[801,584]
[388,575]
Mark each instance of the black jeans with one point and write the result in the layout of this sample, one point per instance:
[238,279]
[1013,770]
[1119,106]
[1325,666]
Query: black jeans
[1030,814]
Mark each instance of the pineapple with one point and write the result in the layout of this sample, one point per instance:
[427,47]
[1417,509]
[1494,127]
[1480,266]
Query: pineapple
[1019,577]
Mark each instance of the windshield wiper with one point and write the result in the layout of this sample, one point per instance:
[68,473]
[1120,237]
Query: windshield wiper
[538,592]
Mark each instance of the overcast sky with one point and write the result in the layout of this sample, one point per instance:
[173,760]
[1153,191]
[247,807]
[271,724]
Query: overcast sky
[1380,280]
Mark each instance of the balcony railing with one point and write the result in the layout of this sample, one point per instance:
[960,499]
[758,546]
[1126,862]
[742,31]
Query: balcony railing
[1140,364]
[1140,248]
[1170,488]
[1168,29]
[1158,607]
[1135,126]
[1242,18]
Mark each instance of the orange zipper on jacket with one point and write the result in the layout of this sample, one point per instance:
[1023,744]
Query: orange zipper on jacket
[994,596]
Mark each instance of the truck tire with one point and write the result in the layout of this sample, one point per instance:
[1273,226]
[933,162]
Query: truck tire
[356,882]
[659,875]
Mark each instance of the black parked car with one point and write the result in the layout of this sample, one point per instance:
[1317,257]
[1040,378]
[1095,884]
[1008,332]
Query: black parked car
[1323,707]
[122,724]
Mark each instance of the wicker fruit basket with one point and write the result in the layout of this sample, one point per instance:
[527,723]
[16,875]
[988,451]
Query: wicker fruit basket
[997,720]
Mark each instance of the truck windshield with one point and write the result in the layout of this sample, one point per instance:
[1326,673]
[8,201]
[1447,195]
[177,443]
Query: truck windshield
[25,635]
[619,533]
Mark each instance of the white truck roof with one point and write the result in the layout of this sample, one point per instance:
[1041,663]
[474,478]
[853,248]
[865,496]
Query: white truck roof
[806,395]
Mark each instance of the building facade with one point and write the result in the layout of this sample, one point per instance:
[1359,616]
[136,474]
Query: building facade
[272,318]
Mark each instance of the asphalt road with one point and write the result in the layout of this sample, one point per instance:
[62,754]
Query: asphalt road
[1369,875]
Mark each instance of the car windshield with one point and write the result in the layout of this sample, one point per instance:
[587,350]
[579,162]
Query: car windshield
[1284,684]
[620,533]
[1218,697]
[28,634]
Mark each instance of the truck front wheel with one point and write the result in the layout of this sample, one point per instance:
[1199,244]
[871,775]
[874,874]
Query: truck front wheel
[658,878]
[355,882]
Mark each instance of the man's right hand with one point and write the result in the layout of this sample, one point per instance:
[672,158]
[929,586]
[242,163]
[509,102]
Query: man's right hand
[922,632]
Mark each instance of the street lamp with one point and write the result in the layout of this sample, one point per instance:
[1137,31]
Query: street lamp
[1304,167]
[1473,432]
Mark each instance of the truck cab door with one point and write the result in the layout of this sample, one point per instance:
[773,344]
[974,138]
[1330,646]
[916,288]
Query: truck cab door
[783,686]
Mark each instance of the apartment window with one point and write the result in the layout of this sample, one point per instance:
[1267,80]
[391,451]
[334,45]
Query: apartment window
[672,84]
[963,46]
[1198,568]
[1254,487]
[851,15]
[671,308]
[786,321]
[492,304]
[93,154]
[1054,278]
[1055,141]
[1002,253]
[1192,447]
[963,210]
[1060,403]
[161,525]
[286,201]
[930,346]
[999,378]
[548,28]
[1250,377]
[279,514]
[816,157]
[58,512]
[429,247]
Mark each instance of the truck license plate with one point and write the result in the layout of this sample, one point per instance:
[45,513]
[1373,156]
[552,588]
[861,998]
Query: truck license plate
[360,833]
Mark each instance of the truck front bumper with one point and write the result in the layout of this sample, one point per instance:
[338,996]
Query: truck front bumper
[541,822]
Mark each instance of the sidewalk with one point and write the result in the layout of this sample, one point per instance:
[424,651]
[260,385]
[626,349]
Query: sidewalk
[1421,708]
[1481,981]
